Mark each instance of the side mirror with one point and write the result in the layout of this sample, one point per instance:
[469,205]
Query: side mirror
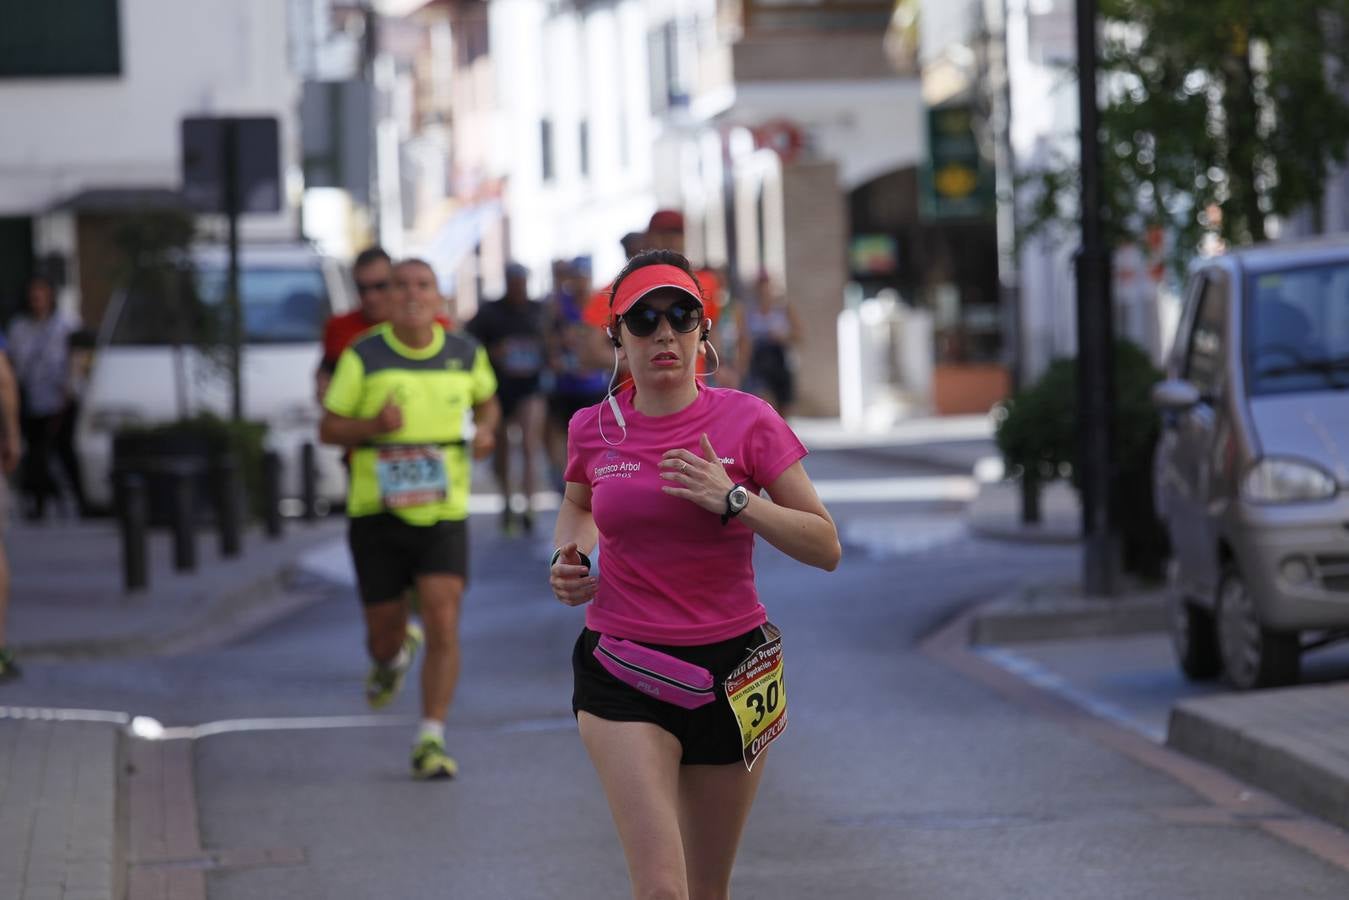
[1174,395]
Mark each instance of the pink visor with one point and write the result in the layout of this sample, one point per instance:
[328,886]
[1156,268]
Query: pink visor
[652,278]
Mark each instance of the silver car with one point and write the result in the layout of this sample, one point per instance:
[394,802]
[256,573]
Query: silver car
[1253,464]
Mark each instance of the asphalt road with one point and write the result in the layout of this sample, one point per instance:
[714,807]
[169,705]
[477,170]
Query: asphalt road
[897,776]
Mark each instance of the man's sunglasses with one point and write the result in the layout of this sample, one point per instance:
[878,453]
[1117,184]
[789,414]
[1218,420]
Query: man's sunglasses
[372,286]
[643,320]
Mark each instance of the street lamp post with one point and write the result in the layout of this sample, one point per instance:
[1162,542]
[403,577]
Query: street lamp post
[1095,341]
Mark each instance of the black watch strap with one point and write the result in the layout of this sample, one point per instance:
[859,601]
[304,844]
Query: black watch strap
[557,554]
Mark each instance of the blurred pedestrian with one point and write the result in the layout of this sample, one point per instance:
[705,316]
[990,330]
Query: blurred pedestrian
[9,463]
[514,332]
[678,679]
[396,400]
[577,354]
[768,330]
[39,347]
[80,364]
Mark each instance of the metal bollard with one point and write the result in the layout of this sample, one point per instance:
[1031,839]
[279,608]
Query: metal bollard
[271,494]
[133,515]
[309,482]
[228,512]
[183,522]
[1030,499]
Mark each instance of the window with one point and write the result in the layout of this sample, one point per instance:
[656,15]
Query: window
[56,38]
[546,146]
[1204,356]
[282,305]
[1297,329]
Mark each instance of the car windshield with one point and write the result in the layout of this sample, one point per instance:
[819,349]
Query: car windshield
[1297,330]
[282,305]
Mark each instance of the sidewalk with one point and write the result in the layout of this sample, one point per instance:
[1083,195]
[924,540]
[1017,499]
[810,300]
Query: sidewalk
[59,770]
[67,601]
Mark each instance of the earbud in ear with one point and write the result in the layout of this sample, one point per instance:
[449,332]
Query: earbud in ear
[613,339]
[706,329]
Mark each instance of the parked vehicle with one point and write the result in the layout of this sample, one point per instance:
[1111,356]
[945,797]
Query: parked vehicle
[1253,463]
[145,373]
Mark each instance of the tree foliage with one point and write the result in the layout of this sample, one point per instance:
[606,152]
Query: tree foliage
[1237,106]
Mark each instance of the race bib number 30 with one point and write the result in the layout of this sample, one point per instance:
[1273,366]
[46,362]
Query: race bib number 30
[411,476]
[757,692]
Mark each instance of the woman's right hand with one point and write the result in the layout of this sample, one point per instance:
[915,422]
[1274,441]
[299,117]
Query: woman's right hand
[570,580]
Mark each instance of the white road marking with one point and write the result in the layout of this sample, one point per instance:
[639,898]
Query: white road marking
[1030,671]
[51,714]
[959,488]
[888,490]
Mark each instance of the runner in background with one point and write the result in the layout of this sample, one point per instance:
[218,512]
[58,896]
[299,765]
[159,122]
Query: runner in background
[398,401]
[373,273]
[578,355]
[514,330]
[768,330]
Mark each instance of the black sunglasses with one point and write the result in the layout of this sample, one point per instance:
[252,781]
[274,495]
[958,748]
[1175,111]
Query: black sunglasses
[643,320]
[372,286]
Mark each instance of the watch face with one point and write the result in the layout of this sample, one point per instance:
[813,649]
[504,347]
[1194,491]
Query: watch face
[738,498]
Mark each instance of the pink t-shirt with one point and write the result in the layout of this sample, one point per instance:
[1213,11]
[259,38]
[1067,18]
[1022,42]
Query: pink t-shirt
[670,572]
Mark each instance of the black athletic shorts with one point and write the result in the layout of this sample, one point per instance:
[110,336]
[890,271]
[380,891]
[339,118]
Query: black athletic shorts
[389,553]
[561,407]
[709,734]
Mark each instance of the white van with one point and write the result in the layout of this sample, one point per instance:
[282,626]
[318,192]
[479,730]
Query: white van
[143,376]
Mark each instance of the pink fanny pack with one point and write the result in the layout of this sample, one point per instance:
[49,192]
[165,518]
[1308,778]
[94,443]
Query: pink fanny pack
[656,674]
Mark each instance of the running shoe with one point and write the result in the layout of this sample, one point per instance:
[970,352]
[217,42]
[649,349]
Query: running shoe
[430,761]
[8,667]
[384,682]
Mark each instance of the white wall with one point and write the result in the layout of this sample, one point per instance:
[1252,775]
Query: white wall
[568,66]
[868,127]
[178,59]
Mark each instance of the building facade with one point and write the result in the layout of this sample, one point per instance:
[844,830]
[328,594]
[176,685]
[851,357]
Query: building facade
[95,93]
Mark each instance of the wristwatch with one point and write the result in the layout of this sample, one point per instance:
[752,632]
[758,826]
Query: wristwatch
[737,498]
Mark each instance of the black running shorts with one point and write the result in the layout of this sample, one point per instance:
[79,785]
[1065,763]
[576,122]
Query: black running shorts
[709,734]
[389,553]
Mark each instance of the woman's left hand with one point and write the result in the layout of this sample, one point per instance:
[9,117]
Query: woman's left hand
[701,480]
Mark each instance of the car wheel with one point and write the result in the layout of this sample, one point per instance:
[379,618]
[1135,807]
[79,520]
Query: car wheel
[1195,638]
[1252,655]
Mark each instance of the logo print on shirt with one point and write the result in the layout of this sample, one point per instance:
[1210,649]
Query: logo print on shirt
[617,467]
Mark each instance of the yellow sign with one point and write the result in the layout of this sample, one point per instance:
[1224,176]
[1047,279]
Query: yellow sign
[956,180]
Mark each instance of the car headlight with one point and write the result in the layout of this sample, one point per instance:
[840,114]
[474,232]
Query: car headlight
[1287,481]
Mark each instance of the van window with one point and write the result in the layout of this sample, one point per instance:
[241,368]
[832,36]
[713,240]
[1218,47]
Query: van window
[281,304]
[1297,329]
[1204,356]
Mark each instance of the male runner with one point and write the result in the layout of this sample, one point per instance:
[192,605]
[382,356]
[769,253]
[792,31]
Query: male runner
[398,400]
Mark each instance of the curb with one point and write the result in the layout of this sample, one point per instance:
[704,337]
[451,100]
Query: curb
[242,608]
[1222,732]
[1023,534]
[1030,615]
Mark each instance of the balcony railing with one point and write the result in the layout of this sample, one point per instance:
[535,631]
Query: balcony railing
[824,15]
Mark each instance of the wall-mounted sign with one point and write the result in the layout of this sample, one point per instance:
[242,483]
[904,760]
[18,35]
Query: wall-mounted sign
[956,181]
[250,147]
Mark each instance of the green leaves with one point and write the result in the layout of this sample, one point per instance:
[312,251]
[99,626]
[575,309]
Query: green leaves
[1233,107]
